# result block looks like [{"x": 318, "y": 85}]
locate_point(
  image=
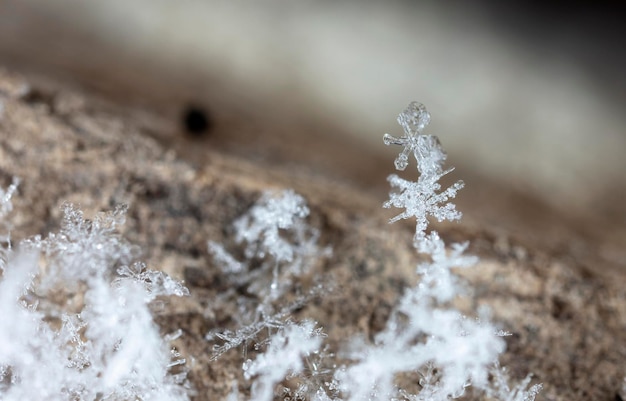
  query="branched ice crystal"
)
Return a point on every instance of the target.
[
  {"x": 501, "y": 391},
  {"x": 437, "y": 279},
  {"x": 5, "y": 197},
  {"x": 104, "y": 346},
  {"x": 275, "y": 233},
  {"x": 284, "y": 356},
  {"x": 425, "y": 333},
  {"x": 5, "y": 234},
  {"x": 155, "y": 283},
  {"x": 262, "y": 226},
  {"x": 420, "y": 199},
  {"x": 426, "y": 148}
]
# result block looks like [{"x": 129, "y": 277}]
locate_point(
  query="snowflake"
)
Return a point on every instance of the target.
[
  {"x": 277, "y": 238},
  {"x": 426, "y": 148},
  {"x": 271, "y": 216},
  {"x": 420, "y": 199},
  {"x": 106, "y": 345}
]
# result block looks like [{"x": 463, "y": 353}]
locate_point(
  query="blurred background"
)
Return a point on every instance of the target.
[{"x": 527, "y": 97}]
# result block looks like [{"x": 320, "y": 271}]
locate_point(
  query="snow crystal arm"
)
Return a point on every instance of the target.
[
  {"x": 5, "y": 197},
  {"x": 284, "y": 356},
  {"x": 426, "y": 148},
  {"x": 261, "y": 227},
  {"x": 421, "y": 199}
]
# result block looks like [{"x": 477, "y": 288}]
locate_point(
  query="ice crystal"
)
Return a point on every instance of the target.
[
  {"x": 278, "y": 239},
  {"x": 6, "y": 206},
  {"x": 437, "y": 277},
  {"x": 418, "y": 335},
  {"x": 225, "y": 261},
  {"x": 461, "y": 349},
  {"x": 426, "y": 148},
  {"x": 233, "y": 339},
  {"x": 420, "y": 199},
  {"x": 262, "y": 226},
  {"x": 100, "y": 342},
  {"x": 265, "y": 319},
  {"x": 154, "y": 283},
  {"x": 280, "y": 246},
  {"x": 501, "y": 391},
  {"x": 84, "y": 250},
  {"x": 425, "y": 335},
  {"x": 284, "y": 356},
  {"x": 5, "y": 197}
]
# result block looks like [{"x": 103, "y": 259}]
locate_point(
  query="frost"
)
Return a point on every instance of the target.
[
  {"x": 461, "y": 349},
  {"x": 437, "y": 278},
  {"x": 279, "y": 247},
  {"x": 6, "y": 206},
  {"x": 426, "y": 148},
  {"x": 261, "y": 227},
  {"x": 154, "y": 283},
  {"x": 275, "y": 236},
  {"x": 73, "y": 329},
  {"x": 283, "y": 357},
  {"x": 422, "y": 334},
  {"x": 502, "y": 392},
  {"x": 244, "y": 335},
  {"x": 76, "y": 320},
  {"x": 423, "y": 197},
  {"x": 84, "y": 250},
  {"x": 420, "y": 200},
  {"x": 225, "y": 261},
  {"x": 265, "y": 319},
  {"x": 425, "y": 336},
  {"x": 320, "y": 395}
]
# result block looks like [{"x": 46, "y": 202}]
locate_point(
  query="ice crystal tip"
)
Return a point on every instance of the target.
[
  {"x": 401, "y": 162},
  {"x": 413, "y": 121},
  {"x": 414, "y": 118},
  {"x": 388, "y": 139}
]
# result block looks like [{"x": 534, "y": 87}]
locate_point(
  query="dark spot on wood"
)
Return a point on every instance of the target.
[
  {"x": 36, "y": 96},
  {"x": 561, "y": 309},
  {"x": 196, "y": 121},
  {"x": 196, "y": 277}
]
